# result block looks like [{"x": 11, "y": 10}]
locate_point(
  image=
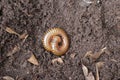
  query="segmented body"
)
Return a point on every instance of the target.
[{"x": 56, "y": 41}]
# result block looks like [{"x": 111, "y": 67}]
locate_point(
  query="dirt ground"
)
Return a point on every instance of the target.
[{"x": 90, "y": 25}]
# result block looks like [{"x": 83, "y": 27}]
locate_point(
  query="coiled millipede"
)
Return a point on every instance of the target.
[{"x": 56, "y": 41}]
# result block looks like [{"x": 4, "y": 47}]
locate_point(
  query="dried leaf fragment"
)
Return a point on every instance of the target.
[
  {"x": 7, "y": 78},
  {"x": 85, "y": 70},
  {"x": 73, "y": 55},
  {"x": 33, "y": 60},
  {"x": 59, "y": 60},
  {"x": 9, "y": 30},
  {"x": 88, "y": 76}
]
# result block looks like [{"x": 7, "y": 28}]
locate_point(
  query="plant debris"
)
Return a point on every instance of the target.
[
  {"x": 7, "y": 78},
  {"x": 15, "y": 49},
  {"x": 88, "y": 76},
  {"x": 33, "y": 60},
  {"x": 73, "y": 55},
  {"x": 98, "y": 66},
  {"x": 11, "y": 31},
  {"x": 59, "y": 60},
  {"x": 96, "y": 55},
  {"x": 114, "y": 60},
  {"x": 23, "y": 36},
  {"x": 85, "y": 70}
]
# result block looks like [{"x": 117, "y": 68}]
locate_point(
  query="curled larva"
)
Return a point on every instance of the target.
[{"x": 56, "y": 41}]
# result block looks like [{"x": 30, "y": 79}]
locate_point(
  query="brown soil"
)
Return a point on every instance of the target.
[{"x": 90, "y": 27}]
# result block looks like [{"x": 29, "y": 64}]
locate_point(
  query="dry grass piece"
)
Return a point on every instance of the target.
[
  {"x": 114, "y": 60},
  {"x": 33, "y": 60},
  {"x": 23, "y": 36},
  {"x": 7, "y": 78},
  {"x": 59, "y": 60},
  {"x": 98, "y": 66},
  {"x": 15, "y": 49},
  {"x": 9, "y": 30}
]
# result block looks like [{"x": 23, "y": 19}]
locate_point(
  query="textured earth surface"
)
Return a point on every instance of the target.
[{"x": 90, "y": 25}]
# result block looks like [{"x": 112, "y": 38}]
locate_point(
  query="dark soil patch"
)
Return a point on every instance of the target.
[{"x": 89, "y": 27}]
